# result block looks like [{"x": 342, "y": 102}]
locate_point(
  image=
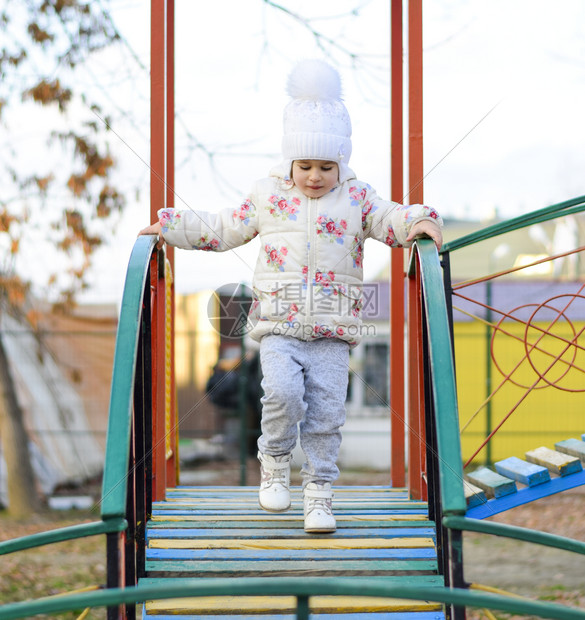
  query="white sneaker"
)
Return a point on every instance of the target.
[
  {"x": 317, "y": 503},
  {"x": 274, "y": 495}
]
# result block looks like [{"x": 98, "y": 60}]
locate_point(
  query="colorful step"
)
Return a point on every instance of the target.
[
  {"x": 556, "y": 462},
  {"x": 491, "y": 482},
  {"x": 474, "y": 496},
  {"x": 573, "y": 447},
  {"x": 526, "y": 473},
  {"x": 205, "y": 534}
]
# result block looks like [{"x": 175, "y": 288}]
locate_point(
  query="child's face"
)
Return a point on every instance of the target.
[{"x": 315, "y": 177}]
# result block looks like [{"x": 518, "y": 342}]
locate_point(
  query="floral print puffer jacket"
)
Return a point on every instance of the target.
[{"x": 308, "y": 276}]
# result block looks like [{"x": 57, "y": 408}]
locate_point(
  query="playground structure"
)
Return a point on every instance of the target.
[{"x": 398, "y": 550}]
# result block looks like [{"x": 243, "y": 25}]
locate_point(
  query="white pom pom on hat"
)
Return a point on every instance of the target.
[
  {"x": 314, "y": 79},
  {"x": 316, "y": 122}
]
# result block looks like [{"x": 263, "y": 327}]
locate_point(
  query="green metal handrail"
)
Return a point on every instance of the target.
[
  {"x": 71, "y": 532},
  {"x": 114, "y": 491},
  {"x": 568, "y": 207},
  {"x": 515, "y": 532},
  {"x": 299, "y": 587},
  {"x": 442, "y": 378}
]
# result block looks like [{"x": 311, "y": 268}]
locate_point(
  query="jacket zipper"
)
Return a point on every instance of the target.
[{"x": 311, "y": 265}]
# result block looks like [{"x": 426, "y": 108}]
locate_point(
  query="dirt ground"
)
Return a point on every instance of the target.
[{"x": 527, "y": 569}]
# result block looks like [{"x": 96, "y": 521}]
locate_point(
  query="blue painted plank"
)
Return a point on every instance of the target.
[
  {"x": 526, "y": 495},
  {"x": 492, "y": 482},
  {"x": 529, "y": 474},
  {"x": 301, "y": 567},
  {"x": 277, "y": 525},
  {"x": 259, "y": 511},
  {"x": 290, "y": 554},
  {"x": 349, "y": 532}
]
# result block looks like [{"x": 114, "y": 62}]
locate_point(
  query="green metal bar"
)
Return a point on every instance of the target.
[
  {"x": 512, "y": 531},
  {"x": 443, "y": 379},
  {"x": 569, "y": 207},
  {"x": 113, "y": 503},
  {"x": 71, "y": 532},
  {"x": 303, "y": 609},
  {"x": 287, "y": 586}
]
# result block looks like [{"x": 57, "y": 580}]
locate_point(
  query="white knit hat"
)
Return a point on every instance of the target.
[{"x": 316, "y": 123}]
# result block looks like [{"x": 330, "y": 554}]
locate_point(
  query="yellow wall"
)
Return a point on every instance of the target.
[
  {"x": 542, "y": 415},
  {"x": 196, "y": 340}
]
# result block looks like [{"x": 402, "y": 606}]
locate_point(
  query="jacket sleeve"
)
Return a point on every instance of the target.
[
  {"x": 390, "y": 222},
  {"x": 200, "y": 230}
]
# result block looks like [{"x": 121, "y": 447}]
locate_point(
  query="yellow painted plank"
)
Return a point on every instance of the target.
[
  {"x": 293, "y": 543},
  {"x": 286, "y": 604},
  {"x": 341, "y": 501},
  {"x": 554, "y": 461},
  {"x": 284, "y": 517}
]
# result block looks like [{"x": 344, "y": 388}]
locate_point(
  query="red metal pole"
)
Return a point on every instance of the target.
[
  {"x": 173, "y": 458},
  {"x": 397, "y": 456},
  {"x": 157, "y": 107},
  {"x": 415, "y": 103},
  {"x": 417, "y": 464},
  {"x": 157, "y": 200}
]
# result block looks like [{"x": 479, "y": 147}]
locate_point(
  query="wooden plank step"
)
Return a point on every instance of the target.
[
  {"x": 381, "y": 534},
  {"x": 261, "y": 605},
  {"x": 284, "y": 520},
  {"x": 473, "y": 495},
  {"x": 158, "y": 613},
  {"x": 401, "y": 615},
  {"x": 300, "y": 568},
  {"x": 528, "y": 474},
  {"x": 285, "y": 516},
  {"x": 526, "y": 495},
  {"x": 556, "y": 462},
  {"x": 379, "y": 510},
  {"x": 294, "y": 543},
  {"x": 573, "y": 447},
  {"x": 297, "y": 532},
  {"x": 491, "y": 482},
  {"x": 362, "y": 553}
]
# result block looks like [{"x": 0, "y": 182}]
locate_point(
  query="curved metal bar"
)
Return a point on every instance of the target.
[
  {"x": 568, "y": 207},
  {"x": 443, "y": 380},
  {"x": 287, "y": 586},
  {"x": 511, "y": 531},
  {"x": 114, "y": 493},
  {"x": 81, "y": 530}
]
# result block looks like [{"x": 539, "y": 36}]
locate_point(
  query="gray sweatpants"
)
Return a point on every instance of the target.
[{"x": 306, "y": 383}]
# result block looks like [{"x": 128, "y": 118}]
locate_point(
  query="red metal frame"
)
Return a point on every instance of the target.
[
  {"x": 161, "y": 195},
  {"x": 416, "y": 428},
  {"x": 397, "y": 405},
  {"x": 417, "y": 455},
  {"x": 173, "y": 459}
]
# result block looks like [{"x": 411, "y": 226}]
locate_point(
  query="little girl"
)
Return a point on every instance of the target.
[{"x": 312, "y": 216}]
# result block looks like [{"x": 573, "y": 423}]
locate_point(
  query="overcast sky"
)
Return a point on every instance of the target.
[{"x": 504, "y": 93}]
